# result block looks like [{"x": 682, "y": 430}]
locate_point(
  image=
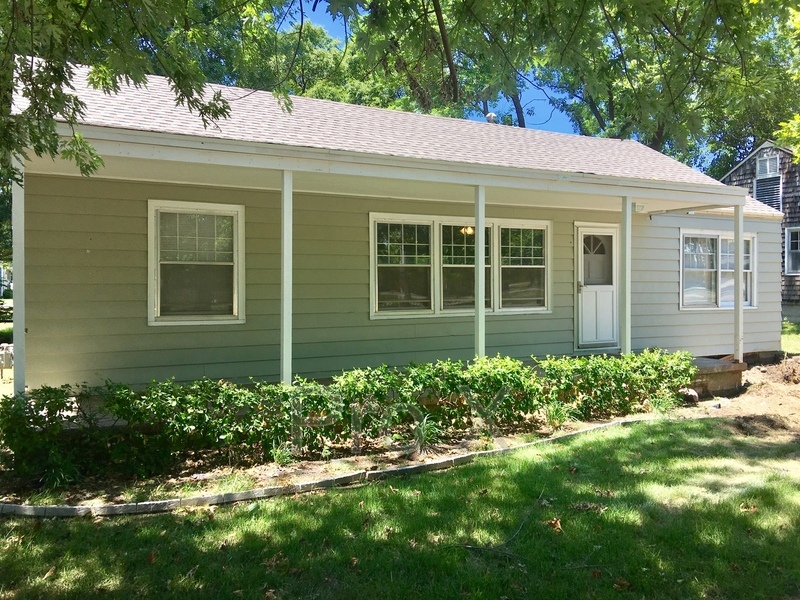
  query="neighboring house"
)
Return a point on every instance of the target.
[
  {"x": 771, "y": 176},
  {"x": 337, "y": 236}
]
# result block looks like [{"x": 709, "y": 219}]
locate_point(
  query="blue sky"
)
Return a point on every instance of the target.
[{"x": 544, "y": 116}]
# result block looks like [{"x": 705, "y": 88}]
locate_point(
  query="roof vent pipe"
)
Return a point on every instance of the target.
[{"x": 491, "y": 118}]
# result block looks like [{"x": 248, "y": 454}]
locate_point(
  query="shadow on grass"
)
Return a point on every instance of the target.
[{"x": 624, "y": 511}]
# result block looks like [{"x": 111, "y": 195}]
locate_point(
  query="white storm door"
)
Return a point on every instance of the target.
[{"x": 596, "y": 271}]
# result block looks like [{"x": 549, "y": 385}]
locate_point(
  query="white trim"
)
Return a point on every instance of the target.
[
  {"x": 767, "y": 144},
  {"x": 721, "y": 234},
  {"x": 18, "y": 247},
  {"x": 435, "y": 222},
  {"x": 787, "y": 248},
  {"x": 110, "y": 141},
  {"x": 287, "y": 240},
  {"x": 590, "y": 228},
  {"x": 625, "y": 259},
  {"x": 234, "y": 210},
  {"x": 738, "y": 276},
  {"x": 480, "y": 271}
]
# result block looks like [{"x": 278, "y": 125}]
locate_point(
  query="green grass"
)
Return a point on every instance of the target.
[
  {"x": 672, "y": 509},
  {"x": 6, "y": 333},
  {"x": 790, "y": 337}
]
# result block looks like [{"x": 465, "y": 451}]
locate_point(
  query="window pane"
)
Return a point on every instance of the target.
[
  {"x": 402, "y": 244},
  {"x": 726, "y": 294},
  {"x": 699, "y": 287},
  {"x": 793, "y": 261},
  {"x": 404, "y": 288},
  {"x": 522, "y": 287},
  {"x": 197, "y": 237},
  {"x": 194, "y": 289},
  {"x": 458, "y": 245},
  {"x": 458, "y": 287},
  {"x": 523, "y": 247}
]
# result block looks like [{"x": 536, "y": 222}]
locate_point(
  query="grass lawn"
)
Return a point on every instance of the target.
[
  {"x": 790, "y": 337},
  {"x": 661, "y": 509}
]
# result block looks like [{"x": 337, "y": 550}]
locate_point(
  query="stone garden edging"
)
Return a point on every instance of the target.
[{"x": 159, "y": 506}]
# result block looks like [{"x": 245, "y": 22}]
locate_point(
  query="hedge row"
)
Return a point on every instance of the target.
[{"x": 62, "y": 434}]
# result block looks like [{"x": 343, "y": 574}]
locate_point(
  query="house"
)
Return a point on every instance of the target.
[
  {"x": 771, "y": 176},
  {"x": 336, "y": 236}
]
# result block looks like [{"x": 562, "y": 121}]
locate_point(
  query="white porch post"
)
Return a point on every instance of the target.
[
  {"x": 286, "y": 278},
  {"x": 738, "y": 300},
  {"x": 18, "y": 248},
  {"x": 480, "y": 268},
  {"x": 625, "y": 276}
]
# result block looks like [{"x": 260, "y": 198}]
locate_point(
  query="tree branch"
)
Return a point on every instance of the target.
[{"x": 437, "y": 8}]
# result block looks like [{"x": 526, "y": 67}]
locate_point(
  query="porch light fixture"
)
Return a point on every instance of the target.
[{"x": 467, "y": 230}]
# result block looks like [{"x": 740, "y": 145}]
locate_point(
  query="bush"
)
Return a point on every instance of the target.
[
  {"x": 53, "y": 434},
  {"x": 603, "y": 386}
]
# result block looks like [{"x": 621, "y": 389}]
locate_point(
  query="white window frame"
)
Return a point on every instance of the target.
[
  {"x": 436, "y": 222},
  {"x": 154, "y": 272},
  {"x": 787, "y": 249},
  {"x": 721, "y": 235},
  {"x": 769, "y": 175}
]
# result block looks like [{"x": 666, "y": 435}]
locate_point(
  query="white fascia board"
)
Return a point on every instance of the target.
[{"x": 199, "y": 150}]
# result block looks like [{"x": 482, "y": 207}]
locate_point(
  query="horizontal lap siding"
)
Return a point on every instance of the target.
[
  {"x": 86, "y": 284},
  {"x": 657, "y": 320},
  {"x": 87, "y": 289}
]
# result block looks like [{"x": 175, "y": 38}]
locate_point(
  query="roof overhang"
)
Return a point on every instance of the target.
[{"x": 148, "y": 156}]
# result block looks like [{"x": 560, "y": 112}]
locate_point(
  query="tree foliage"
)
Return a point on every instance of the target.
[{"x": 789, "y": 134}]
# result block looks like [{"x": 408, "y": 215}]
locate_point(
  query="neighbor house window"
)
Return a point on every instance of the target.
[
  {"x": 196, "y": 262},
  {"x": 767, "y": 187},
  {"x": 426, "y": 265},
  {"x": 708, "y": 271},
  {"x": 793, "y": 251}
]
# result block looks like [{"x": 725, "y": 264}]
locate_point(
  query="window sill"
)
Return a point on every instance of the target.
[
  {"x": 460, "y": 313},
  {"x": 712, "y": 308},
  {"x": 200, "y": 321}
]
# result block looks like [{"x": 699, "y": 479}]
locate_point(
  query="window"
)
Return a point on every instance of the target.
[
  {"x": 522, "y": 281},
  {"x": 426, "y": 265},
  {"x": 403, "y": 254},
  {"x": 793, "y": 251},
  {"x": 708, "y": 271},
  {"x": 767, "y": 187},
  {"x": 458, "y": 267},
  {"x": 196, "y": 263}
]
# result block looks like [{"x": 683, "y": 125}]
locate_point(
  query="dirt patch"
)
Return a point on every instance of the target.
[{"x": 769, "y": 405}]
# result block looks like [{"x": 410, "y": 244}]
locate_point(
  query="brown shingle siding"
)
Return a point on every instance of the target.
[{"x": 744, "y": 175}]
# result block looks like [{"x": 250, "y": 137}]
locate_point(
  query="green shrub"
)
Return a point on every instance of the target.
[
  {"x": 603, "y": 386},
  {"x": 53, "y": 434}
]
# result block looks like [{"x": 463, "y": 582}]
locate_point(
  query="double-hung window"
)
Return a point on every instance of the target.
[
  {"x": 196, "y": 263},
  {"x": 708, "y": 274},
  {"x": 426, "y": 265},
  {"x": 792, "y": 251}
]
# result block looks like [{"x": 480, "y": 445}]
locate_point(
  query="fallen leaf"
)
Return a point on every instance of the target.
[
  {"x": 735, "y": 568},
  {"x": 417, "y": 492},
  {"x": 49, "y": 572},
  {"x": 745, "y": 507},
  {"x": 573, "y": 469},
  {"x": 412, "y": 543},
  {"x": 556, "y": 467},
  {"x": 483, "y": 492},
  {"x": 152, "y": 558},
  {"x": 388, "y": 531},
  {"x": 354, "y": 561},
  {"x": 394, "y": 490},
  {"x": 596, "y": 574},
  {"x": 554, "y": 524},
  {"x": 589, "y": 507},
  {"x": 621, "y": 584},
  {"x": 270, "y": 595},
  {"x": 361, "y": 504}
]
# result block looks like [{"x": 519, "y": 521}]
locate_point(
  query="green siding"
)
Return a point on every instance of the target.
[{"x": 87, "y": 289}]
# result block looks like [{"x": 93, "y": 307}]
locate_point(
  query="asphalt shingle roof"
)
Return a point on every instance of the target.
[{"x": 257, "y": 117}]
